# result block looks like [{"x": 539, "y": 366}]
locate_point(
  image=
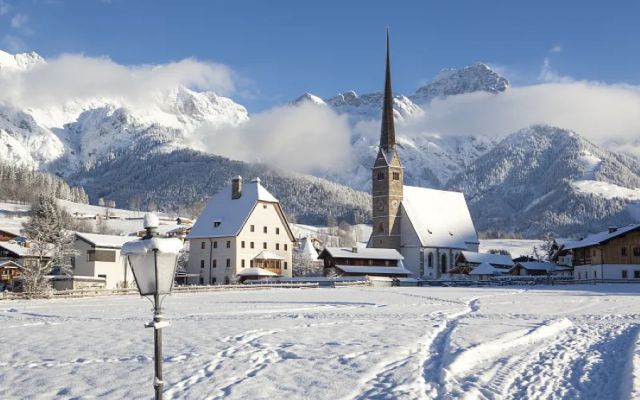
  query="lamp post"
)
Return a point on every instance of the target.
[{"x": 153, "y": 262}]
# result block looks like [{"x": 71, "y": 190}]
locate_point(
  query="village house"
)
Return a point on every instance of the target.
[
  {"x": 9, "y": 271},
  {"x": 539, "y": 268},
  {"x": 21, "y": 254},
  {"x": 242, "y": 228},
  {"x": 466, "y": 261},
  {"x": 98, "y": 256},
  {"x": 428, "y": 227},
  {"x": 8, "y": 234},
  {"x": 611, "y": 254},
  {"x": 339, "y": 261}
]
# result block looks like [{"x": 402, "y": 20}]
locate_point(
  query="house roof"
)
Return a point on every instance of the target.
[
  {"x": 440, "y": 218},
  {"x": 254, "y": 271},
  {"x": 485, "y": 269},
  {"x": 8, "y": 263},
  {"x": 493, "y": 259},
  {"x": 12, "y": 230},
  {"x": 106, "y": 241},
  {"x": 308, "y": 250},
  {"x": 597, "y": 238},
  {"x": 267, "y": 255},
  {"x": 370, "y": 270},
  {"x": 18, "y": 250},
  {"x": 362, "y": 252},
  {"x": 541, "y": 266},
  {"x": 230, "y": 214}
]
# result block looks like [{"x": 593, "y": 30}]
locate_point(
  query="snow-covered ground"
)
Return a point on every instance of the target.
[
  {"x": 515, "y": 247},
  {"x": 349, "y": 343}
]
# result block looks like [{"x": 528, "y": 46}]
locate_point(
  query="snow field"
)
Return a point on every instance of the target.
[{"x": 346, "y": 343}]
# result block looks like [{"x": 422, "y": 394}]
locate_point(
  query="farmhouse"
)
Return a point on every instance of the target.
[
  {"x": 428, "y": 227},
  {"x": 539, "y": 268},
  {"x": 339, "y": 261},
  {"x": 99, "y": 257},
  {"x": 241, "y": 227},
  {"x": 611, "y": 254}
]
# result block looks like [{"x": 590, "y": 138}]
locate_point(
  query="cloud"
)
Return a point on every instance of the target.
[
  {"x": 547, "y": 74},
  {"x": 302, "y": 138},
  {"x": 600, "y": 112},
  {"x": 19, "y": 21},
  {"x": 76, "y": 77},
  {"x": 557, "y": 49},
  {"x": 4, "y": 7}
]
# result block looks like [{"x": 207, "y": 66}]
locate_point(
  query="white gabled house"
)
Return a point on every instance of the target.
[
  {"x": 99, "y": 256},
  {"x": 242, "y": 227}
]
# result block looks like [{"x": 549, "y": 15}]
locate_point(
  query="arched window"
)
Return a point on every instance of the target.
[
  {"x": 430, "y": 260},
  {"x": 443, "y": 263}
]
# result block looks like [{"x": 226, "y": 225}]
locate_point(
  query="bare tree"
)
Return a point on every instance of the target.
[
  {"x": 304, "y": 266},
  {"x": 50, "y": 246}
]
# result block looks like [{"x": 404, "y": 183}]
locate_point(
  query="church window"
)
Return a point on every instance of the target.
[
  {"x": 396, "y": 176},
  {"x": 443, "y": 264},
  {"x": 430, "y": 260},
  {"x": 380, "y": 176}
]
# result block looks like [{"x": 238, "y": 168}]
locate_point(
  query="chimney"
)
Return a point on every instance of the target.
[
  {"x": 612, "y": 229},
  {"x": 354, "y": 249},
  {"x": 236, "y": 187}
]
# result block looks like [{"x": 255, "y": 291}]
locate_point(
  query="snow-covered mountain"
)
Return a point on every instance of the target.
[
  {"x": 80, "y": 132},
  {"x": 545, "y": 179},
  {"x": 478, "y": 77}
]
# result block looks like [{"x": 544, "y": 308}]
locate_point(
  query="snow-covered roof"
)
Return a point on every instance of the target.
[
  {"x": 255, "y": 271},
  {"x": 20, "y": 251},
  {"x": 267, "y": 255},
  {"x": 308, "y": 250},
  {"x": 106, "y": 241},
  {"x": 13, "y": 230},
  {"x": 224, "y": 216},
  {"x": 9, "y": 263},
  {"x": 493, "y": 259},
  {"x": 597, "y": 238},
  {"x": 355, "y": 269},
  {"x": 485, "y": 269},
  {"x": 541, "y": 266},
  {"x": 367, "y": 253},
  {"x": 440, "y": 218}
]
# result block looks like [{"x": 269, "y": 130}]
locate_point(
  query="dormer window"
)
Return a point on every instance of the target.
[{"x": 217, "y": 223}]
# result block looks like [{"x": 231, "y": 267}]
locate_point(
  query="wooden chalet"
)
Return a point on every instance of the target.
[
  {"x": 611, "y": 254},
  {"x": 339, "y": 261},
  {"x": 9, "y": 270}
]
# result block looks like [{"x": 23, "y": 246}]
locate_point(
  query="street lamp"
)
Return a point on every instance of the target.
[{"x": 153, "y": 262}]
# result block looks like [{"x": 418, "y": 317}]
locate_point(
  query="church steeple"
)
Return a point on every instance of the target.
[
  {"x": 387, "y": 132},
  {"x": 387, "y": 177}
]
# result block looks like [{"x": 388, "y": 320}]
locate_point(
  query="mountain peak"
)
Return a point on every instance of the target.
[
  {"x": 308, "y": 98},
  {"x": 19, "y": 62},
  {"x": 478, "y": 77}
]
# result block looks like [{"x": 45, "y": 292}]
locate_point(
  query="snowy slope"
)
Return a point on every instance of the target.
[
  {"x": 544, "y": 179},
  {"x": 575, "y": 342}
]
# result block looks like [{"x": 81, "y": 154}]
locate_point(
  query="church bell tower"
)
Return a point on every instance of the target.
[{"x": 387, "y": 177}]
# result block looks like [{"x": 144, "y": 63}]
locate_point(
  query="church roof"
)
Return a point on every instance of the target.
[
  {"x": 224, "y": 216},
  {"x": 440, "y": 218}
]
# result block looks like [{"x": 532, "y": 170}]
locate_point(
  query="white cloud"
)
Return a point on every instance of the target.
[
  {"x": 556, "y": 49},
  {"x": 302, "y": 138},
  {"x": 76, "y": 77},
  {"x": 600, "y": 112},
  {"x": 19, "y": 21},
  {"x": 547, "y": 74}
]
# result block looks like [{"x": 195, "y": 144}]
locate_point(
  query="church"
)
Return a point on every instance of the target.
[{"x": 428, "y": 227}]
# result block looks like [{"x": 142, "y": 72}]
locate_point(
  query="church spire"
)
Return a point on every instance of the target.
[{"x": 388, "y": 132}]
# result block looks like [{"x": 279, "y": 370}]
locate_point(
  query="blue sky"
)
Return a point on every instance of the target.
[{"x": 280, "y": 49}]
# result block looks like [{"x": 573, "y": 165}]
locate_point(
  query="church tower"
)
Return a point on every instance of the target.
[{"x": 387, "y": 177}]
